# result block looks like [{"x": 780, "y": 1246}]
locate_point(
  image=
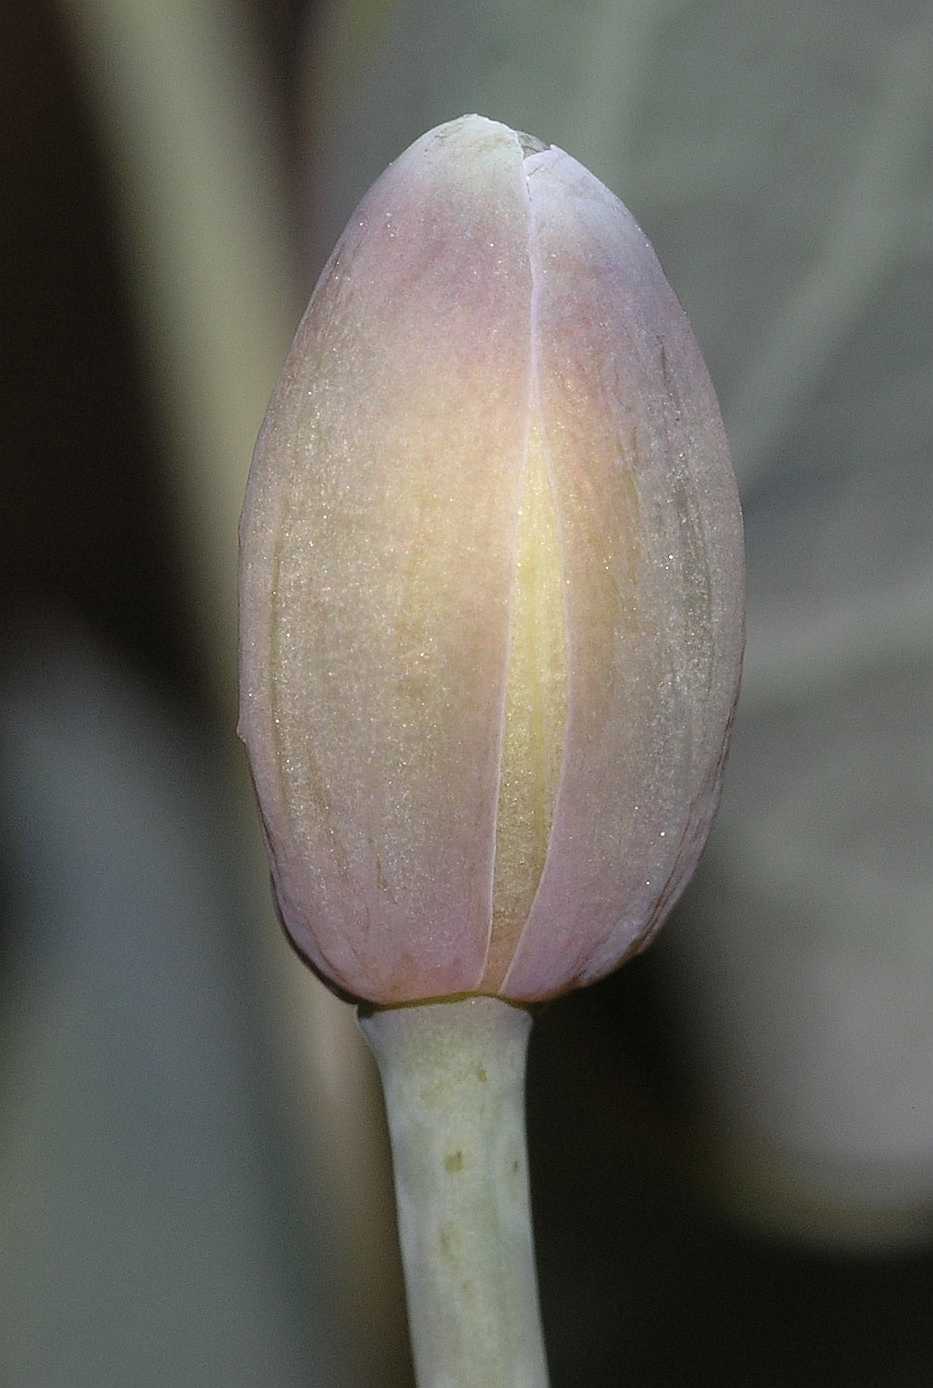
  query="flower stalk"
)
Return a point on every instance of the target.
[{"x": 453, "y": 1074}]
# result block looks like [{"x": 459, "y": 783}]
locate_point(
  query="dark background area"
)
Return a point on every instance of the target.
[
  {"x": 91, "y": 530},
  {"x": 204, "y": 1238}
]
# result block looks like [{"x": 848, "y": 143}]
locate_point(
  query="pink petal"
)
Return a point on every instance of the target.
[
  {"x": 652, "y": 546},
  {"x": 377, "y": 560}
]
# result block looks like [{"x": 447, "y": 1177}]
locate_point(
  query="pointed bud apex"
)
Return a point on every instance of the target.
[{"x": 491, "y": 585}]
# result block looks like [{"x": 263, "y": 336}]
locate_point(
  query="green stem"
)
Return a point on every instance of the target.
[{"x": 453, "y": 1075}]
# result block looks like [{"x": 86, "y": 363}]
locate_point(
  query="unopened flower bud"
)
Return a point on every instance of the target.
[{"x": 491, "y": 585}]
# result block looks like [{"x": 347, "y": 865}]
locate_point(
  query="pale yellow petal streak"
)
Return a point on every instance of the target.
[{"x": 535, "y": 713}]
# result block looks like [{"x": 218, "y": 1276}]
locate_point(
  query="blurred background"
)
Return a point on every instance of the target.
[{"x": 732, "y": 1139}]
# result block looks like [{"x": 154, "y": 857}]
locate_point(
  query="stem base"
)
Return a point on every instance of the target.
[{"x": 453, "y": 1075}]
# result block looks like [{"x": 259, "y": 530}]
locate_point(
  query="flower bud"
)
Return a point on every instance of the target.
[{"x": 491, "y": 585}]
